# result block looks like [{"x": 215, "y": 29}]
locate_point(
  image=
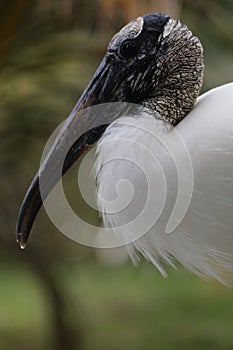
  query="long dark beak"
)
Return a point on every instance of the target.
[{"x": 84, "y": 129}]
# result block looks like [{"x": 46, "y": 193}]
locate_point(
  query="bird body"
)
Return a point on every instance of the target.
[
  {"x": 164, "y": 170},
  {"x": 203, "y": 240}
]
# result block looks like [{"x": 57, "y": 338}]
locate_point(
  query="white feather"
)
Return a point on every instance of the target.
[{"x": 130, "y": 149}]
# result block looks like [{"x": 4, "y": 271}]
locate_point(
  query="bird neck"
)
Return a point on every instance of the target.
[{"x": 179, "y": 74}]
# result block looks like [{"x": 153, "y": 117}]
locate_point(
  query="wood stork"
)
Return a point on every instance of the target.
[{"x": 156, "y": 62}]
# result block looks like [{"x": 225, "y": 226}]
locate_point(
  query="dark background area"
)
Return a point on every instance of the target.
[{"x": 57, "y": 294}]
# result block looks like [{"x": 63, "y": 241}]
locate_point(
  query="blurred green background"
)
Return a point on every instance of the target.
[{"x": 57, "y": 294}]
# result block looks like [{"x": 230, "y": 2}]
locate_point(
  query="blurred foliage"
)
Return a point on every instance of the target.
[
  {"x": 121, "y": 307},
  {"x": 57, "y": 294}
]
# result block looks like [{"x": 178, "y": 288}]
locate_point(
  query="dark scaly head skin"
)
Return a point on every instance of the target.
[
  {"x": 178, "y": 77},
  {"x": 153, "y": 61},
  {"x": 163, "y": 65}
]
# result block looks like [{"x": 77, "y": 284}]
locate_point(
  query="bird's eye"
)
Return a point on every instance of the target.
[{"x": 128, "y": 49}]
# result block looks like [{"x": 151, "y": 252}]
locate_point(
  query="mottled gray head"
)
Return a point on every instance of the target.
[
  {"x": 158, "y": 63},
  {"x": 154, "y": 61}
]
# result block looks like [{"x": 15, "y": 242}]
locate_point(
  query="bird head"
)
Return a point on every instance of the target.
[
  {"x": 131, "y": 58},
  {"x": 153, "y": 61}
]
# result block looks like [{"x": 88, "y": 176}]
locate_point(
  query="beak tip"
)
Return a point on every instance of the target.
[{"x": 21, "y": 240}]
